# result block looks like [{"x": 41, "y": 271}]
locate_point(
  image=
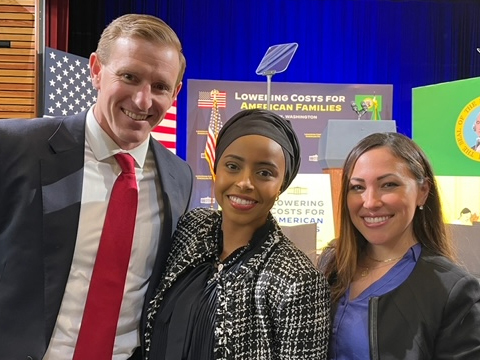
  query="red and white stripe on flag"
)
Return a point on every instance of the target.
[
  {"x": 205, "y": 99},
  {"x": 166, "y": 131}
]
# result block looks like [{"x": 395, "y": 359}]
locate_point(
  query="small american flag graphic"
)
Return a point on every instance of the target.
[
  {"x": 205, "y": 99},
  {"x": 68, "y": 90},
  {"x": 214, "y": 126}
]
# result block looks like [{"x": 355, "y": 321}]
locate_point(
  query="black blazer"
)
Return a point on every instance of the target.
[
  {"x": 434, "y": 314},
  {"x": 41, "y": 175}
]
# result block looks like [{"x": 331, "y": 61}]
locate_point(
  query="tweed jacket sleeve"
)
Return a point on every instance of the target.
[{"x": 300, "y": 301}]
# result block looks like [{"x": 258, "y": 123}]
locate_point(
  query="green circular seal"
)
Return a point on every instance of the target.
[{"x": 464, "y": 147}]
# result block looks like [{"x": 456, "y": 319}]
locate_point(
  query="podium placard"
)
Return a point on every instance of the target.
[
  {"x": 340, "y": 136},
  {"x": 304, "y": 237}
]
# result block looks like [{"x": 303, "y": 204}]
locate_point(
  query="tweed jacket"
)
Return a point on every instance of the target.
[{"x": 276, "y": 306}]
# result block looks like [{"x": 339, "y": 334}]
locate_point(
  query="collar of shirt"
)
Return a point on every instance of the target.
[
  {"x": 104, "y": 147},
  {"x": 416, "y": 250}
]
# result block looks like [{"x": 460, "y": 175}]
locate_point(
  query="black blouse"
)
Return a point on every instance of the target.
[{"x": 186, "y": 320}]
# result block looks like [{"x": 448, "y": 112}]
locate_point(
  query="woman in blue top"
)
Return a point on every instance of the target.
[{"x": 396, "y": 290}]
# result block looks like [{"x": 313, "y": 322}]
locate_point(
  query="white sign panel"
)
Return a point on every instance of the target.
[{"x": 308, "y": 200}]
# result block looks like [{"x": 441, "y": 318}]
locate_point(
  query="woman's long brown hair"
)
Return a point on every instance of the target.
[{"x": 428, "y": 224}]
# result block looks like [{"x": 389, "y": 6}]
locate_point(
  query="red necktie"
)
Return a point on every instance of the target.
[{"x": 99, "y": 323}]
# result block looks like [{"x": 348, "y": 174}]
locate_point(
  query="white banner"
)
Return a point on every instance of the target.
[{"x": 308, "y": 200}]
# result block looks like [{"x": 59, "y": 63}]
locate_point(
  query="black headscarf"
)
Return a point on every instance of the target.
[{"x": 265, "y": 123}]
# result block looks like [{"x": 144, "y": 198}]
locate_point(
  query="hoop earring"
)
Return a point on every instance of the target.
[{"x": 278, "y": 197}]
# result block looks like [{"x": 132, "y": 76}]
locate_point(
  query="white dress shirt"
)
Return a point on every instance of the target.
[{"x": 100, "y": 172}]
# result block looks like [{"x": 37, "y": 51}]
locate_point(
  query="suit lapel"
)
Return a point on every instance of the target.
[
  {"x": 168, "y": 187},
  {"x": 62, "y": 178},
  {"x": 172, "y": 212},
  {"x": 172, "y": 209}
]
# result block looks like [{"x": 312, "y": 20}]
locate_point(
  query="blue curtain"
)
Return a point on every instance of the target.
[{"x": 404, "y": 43}]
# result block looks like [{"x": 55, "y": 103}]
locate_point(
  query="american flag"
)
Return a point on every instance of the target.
[
  {"x": 214, "y": 127},
  {"x": 205, "y": 99},
  {"x": 68, "y": 90},
  {"x": 166, "y": 131}
]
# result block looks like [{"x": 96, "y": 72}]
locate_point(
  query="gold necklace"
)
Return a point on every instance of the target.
[
  {"x": 366, "y": 269},
  {"x": 384, "y": 261}
]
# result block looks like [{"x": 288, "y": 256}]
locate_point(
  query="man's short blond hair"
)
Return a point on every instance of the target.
[{"x": 146, "y": 27}]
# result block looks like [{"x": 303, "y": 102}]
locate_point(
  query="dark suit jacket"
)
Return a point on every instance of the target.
[{"x": 41, "y": 175}]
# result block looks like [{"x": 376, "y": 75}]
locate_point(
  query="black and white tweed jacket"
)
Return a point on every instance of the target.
[{"x": 276, "y": 306}]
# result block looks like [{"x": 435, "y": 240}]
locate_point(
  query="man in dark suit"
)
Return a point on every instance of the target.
[{"x": 56, "y": 176}]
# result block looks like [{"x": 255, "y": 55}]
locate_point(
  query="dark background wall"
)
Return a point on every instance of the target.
[{"x": 405, "y": 43}]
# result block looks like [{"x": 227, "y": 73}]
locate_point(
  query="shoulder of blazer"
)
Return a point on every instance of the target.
[
  {"x": 432, "y": 274},
  {"x": 442, "y": 266},
  {"x": 195, "y": 228},
  {"x": 281, "y": 263},
  {"x": 43, "y": 135},
  {"x": 289, "y": 263},
  {"x": 176, "y": 166},
  {"x": 69, "y": 133},
  {"x": 176, "y": 175},
  {"x": 43, "y": 127}
]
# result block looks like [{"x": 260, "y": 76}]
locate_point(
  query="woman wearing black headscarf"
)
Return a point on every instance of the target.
[{"x": 235, "y": 287}]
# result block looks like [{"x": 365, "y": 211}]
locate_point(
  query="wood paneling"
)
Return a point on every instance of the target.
[
  {"x": 16, "y": 101},
  {"x": 17, "y": 66},
  {"x": 6, "y": 57},
  {"x": 17, "y": 9},
  {"x": 13, "y": 115},
  {"x": 16, "y": 37},
  {"x": 18, "y": 63},
  {"x": 17, "y": 87},
  {"x": 15, "y": 108},
  {"x": 16, "y": 73},
  {"x": 17, "y": 30},
  {"x": 17, "y": 23},
  {"x": 18, "y": 2},
  {"x": 16, "y": 16},
  {"x": 15, "y": 80},
  {"x": 18, "y": 52},
  {"x": 22, "y": 45},
  {"x": 6, "y": 94}
]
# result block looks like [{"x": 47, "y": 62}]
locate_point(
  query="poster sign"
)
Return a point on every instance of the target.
[{"x": 308, "y": 106}]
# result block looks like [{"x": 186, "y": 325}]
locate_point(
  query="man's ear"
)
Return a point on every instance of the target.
[
  {"x": 177, "y": 90},
  {"x": 95, "y": 70}
]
